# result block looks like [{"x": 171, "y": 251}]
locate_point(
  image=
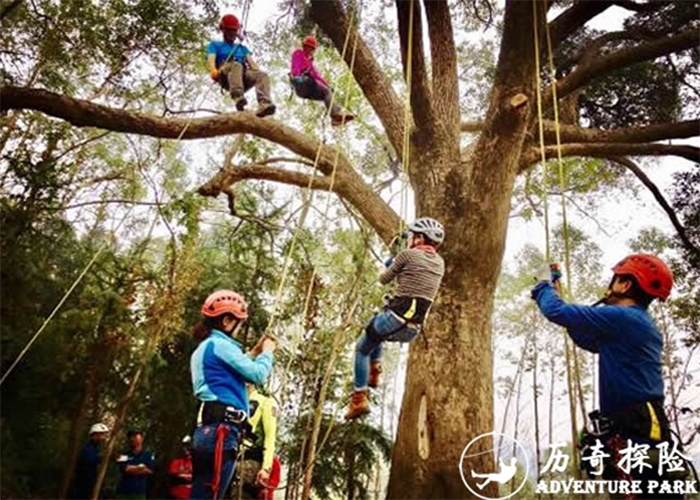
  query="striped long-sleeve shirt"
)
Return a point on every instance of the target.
[{"x": 418, "y": 273}]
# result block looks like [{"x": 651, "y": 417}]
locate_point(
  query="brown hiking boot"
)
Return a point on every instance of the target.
[
  {"x": 265, "y": 109},
  {"x": 341, "y": 118},
  {"x": 375, "y": 374},
  {"x": 241, "y": 103},
  {"x": 359, "y": 405}
]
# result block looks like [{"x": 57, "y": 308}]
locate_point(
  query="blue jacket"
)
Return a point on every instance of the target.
[
  {"x": 86, "y": 471},
  {"x": 627, "y": 340},
  {"x": 220, "y": 370}
]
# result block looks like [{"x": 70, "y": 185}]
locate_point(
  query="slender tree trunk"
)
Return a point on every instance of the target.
[
  {"x": 100, "y": 360},
  {"x": 77, "y": 430},
  {"x": 535, "y": 399},
  {"x": 378, "y": 467},
  {"x": 318, "y": 415},
  {"x": 517, "y": 425},
  {"x": 552, "y": 383},
  {"x": 571, "y": 390},
  {"x": 506, "y": 411},
  {"x": 668, "y": 361}
]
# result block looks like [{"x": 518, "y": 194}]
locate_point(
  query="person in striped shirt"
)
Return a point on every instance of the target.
[{"x": 418, "y": 271}]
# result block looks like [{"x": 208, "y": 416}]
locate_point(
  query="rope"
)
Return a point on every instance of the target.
[
  {"x": 297, "y": 230},
  {"x": 562, "y": 185},
  {"x": 406, "y": 152},
  {"x": 543, "y": 157},
  {"x": 244, "y": 16},
  {"x": 348, "y": 81},
  {"x": 68, "y": 293}
]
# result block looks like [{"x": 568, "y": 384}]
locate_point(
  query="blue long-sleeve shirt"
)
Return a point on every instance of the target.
[
  {"x": 220, "y": 370},
  {"x": 628, "y": 341}
]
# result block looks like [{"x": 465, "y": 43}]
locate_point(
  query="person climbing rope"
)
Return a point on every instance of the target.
[
  {"x": 260, "y": 469},
  {"x": 220, "y": 370},
  {"x": 230, "y": 65},
  {"x": 629, "y": 344},
  {"x": 418, "y": 270},
  {"x": 309, "y": 84}
]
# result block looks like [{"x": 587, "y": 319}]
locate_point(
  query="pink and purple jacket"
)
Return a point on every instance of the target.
[{"x": 303, "y": 64}]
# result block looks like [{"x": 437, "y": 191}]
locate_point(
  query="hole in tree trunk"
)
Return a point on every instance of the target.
[{"x": 423, "y": 434}]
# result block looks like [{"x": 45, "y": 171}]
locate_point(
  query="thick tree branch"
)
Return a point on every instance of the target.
[
  {"x": 637, "y": 171},
  {"x": 87, "y": 114},
  {"x": 376, "y": 87},
  {"x": 421, "y": 98},
  {"x": 83, "y": 113},
  {"x": 572, "y": 19},
  {"x": 620, "y": 59},
  {"x": 224, "y": 179},
  {"x": 649, "y": 133},
  {"x": 443, "y": 56},
  {"x": 606, "y": 150}
]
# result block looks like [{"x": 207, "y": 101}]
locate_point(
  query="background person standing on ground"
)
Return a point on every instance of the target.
[{"x": 136, "y": 465}]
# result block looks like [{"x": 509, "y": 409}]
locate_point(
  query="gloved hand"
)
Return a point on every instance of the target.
[
  {"x": 398, "y": 243},
  {"x": 215, "y": 74},
  {"x": 555, "y": 272},
  {"x": 550, "y": 273},
  {"x": 388, "y": 262}
]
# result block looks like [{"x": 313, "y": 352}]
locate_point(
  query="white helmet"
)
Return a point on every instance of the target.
[
  {"x": 429, "y": 227},
  {"x": 99, "y": 427},
  {"x": 186, "y": 440}
]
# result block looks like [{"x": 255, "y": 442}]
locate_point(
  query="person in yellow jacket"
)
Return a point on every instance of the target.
[{"x": 259, "y": 473}]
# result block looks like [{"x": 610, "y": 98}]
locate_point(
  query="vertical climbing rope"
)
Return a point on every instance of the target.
[
  {"x": 563, "y": 185},
  {"x": 406, "y": 152},
  {"x": 567, "y": 347}
]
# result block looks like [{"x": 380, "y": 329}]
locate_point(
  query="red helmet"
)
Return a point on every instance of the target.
[
  {"x": 654, "y": 277},
  {"x": 225, "y": 301},
  {"x": 229, "y": 22},
  {"x": 310, "y": 41}
]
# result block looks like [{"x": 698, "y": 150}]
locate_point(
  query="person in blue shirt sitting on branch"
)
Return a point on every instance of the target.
[
  {"x": 231, "y": 65},
  {"x": 629, "y": 345}
]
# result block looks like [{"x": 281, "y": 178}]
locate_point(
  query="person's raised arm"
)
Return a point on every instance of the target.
[
  {"x": 252, "y": 370},
  {"x": 395, "y": 268}
]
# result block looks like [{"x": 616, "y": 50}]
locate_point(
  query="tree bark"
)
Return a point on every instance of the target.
[{"x": 451, "y": 359}]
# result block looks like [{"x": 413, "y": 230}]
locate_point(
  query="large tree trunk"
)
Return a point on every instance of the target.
[{"x": 449, "y": 391}]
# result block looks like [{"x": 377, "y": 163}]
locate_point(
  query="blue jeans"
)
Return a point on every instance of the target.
[
  {"x": 203, "y": 444},
  {"x": 383, "y": 327}
]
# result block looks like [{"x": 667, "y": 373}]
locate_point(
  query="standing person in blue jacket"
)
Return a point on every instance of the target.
[
  {"x": 220, "y": 371},
  {"x": 630, "y": 347},
  {"x": 136, "y": 465},
  {"x": 88, "y": 462},
  {"x": 231, "y": 65}
]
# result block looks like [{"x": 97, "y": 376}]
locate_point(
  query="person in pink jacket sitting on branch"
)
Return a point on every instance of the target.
[{"x": 309, "y": 84}]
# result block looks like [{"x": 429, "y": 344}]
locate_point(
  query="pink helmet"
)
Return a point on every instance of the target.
[{"x": 225, "y": 301}]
